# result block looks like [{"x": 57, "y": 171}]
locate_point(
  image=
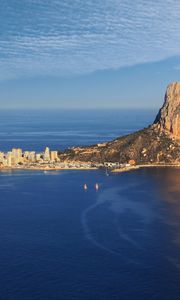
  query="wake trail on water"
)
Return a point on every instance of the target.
[{"x": 87, "y": 231}]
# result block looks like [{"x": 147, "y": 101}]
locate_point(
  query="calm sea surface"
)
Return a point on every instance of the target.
[{"x": 58, "y": 241}]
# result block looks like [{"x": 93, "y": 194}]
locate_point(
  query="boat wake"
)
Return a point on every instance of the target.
[{"x": 112, "y": 200}]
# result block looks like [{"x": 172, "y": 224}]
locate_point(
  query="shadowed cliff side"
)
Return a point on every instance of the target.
[{"x": 157, "y": 144}]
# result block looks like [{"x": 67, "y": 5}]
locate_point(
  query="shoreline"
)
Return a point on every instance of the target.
[
  {"x": 117, "y": 170},
  {"x": 130, "y": 168},
  {"x": 46, "y": 169}
]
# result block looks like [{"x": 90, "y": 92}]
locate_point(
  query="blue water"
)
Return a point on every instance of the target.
[
  {"x": 34, "y": 130},
  {"x": 61, "y": 242}
]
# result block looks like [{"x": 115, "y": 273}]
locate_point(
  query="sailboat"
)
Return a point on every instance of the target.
[
  {"x": 107, "y": 174},
  {"x": 97, "y": 186},
  {"x": 85, "y": 186}
]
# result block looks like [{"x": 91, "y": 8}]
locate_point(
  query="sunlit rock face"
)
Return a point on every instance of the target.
[{"x": 168, "y": 118}]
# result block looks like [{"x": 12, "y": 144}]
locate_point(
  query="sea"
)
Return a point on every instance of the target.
[{"x": 61, "y": 242}]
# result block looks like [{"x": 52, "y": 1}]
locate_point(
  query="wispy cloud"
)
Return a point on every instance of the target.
[{"x": 41, "y": 37}]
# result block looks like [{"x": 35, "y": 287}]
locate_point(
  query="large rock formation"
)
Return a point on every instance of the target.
[
  {"x": 168, "y": 118},
  {"x": 157, "y": 144}
]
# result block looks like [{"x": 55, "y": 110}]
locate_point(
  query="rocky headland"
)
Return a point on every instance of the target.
[{"x": 158, "y": 144}]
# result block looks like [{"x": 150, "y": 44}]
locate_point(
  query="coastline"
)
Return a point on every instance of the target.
[
  {"x": 127, "y": 169},
  {"x": 117, "y": 170},
  {"x": 45, "y": 168}
]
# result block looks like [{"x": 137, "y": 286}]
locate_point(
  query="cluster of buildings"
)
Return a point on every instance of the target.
[
  {"x": 114, "y": 165},
  {"x": 17, "y": 157}
]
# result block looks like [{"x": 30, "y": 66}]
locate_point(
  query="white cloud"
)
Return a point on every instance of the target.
[{"x": 67, "y": 37}]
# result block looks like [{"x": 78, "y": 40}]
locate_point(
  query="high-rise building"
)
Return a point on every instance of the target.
[
  {"x": 1, "y": 156},
  {"x": 9, "y": 159},
  {"x": 32, "y": 156},
  {"x": 54, "y": 155},
  {"x": 16, "y": 155},
  {"x": 47, "y": 154}
]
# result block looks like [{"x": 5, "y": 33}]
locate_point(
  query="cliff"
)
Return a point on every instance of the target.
[
  {"x": 168, "y": 118},
  {"x": 157, "y": 144}
]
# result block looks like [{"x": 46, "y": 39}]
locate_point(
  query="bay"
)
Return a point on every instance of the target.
[{"x": 61, "y": 242}]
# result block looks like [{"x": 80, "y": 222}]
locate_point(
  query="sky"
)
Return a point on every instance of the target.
[{"x": 88, "y": 53}]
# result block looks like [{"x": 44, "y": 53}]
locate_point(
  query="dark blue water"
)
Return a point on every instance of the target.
[{"x": 61, "y": 242}]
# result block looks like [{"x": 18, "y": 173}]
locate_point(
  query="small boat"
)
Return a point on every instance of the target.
[
  {"x": 97, "y": 186},
  {"x": 107, "y": 174},
  {"x": 85, "y": 186}
]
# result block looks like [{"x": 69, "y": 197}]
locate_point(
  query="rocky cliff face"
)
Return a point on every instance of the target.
[
  {"x": 168, "y": 118},
  {"x": 157, "y": 144}
]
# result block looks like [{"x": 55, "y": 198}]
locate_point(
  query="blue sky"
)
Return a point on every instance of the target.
[{"x": 79, "y": 54}]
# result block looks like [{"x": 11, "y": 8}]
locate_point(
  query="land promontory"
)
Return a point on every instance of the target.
[{"x": 157, "y": 144}]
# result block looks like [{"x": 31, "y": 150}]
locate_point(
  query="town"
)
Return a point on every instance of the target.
[
  {"x": 16, "y": 157},
  {"x": 48, "y": 160}
]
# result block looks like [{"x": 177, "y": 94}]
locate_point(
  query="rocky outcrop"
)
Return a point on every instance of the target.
[
  {"x": 157, "y": 144},
  {"x": 168, "y": 118}
]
